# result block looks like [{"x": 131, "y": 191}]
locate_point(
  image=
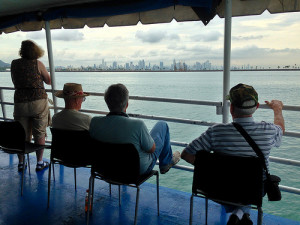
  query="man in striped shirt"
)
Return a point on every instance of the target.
[{"x": 226, "y": 138}]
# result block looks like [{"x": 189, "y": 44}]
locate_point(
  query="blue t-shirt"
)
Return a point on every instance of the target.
[{"x": 120, "y": 129}]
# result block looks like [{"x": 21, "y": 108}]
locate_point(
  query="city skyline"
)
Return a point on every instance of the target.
[
  {"x": 265, "y": 41},
  {"x": 142, "y": 65}
]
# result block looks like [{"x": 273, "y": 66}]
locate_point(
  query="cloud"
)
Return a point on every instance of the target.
[
  {"x": 176, "y": 47},
  {"x": 36, "y": 35},
  {"x": 150, "y": 36},
  {"x": 173, "y": 37},
  {"x": 247, "y": 38},
  {"x": 58, "y": 35},
  {"x": 155, "y": 36},
  {"x": 70, "y": 35},
  {"x": 207, "y": 36},
  {"x": 254, "y": 52},
  {"x": 254, "y": 55}
]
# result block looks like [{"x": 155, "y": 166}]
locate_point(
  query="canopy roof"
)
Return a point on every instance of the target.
[{"x": 30, "y": 15}]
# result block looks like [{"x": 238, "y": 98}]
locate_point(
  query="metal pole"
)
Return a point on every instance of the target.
[
  {"x": 51, "y": 63},
  {"x": 2, "y": 105},
  {"x": 227, "y": 51}
]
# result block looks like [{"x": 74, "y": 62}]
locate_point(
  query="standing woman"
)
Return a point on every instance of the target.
[{"x": 31, "y": 101}]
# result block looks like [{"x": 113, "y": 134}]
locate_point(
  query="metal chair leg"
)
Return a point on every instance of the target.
[
  {"x": 49, "y": 182},
  {"x": 109, "y": 189},
  {"x": 22, "y": 184},
  {"x": 53, "y": 171},
  {"x": 75, "y": 178},
  {"x": 136, "y": 204},
  {"x": 28, "y": 164},
  {"x": 259, "y": 216},
  {"x": 157, "y": 192},
  {"x": 191, "y": 209},
  {"x": 89, "y": 199},
  {"x": 93, "y": 187},
  {"x": 206, "y": 210}
]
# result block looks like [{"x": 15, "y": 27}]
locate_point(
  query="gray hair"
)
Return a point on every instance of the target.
[
  {"x": 116, "y": 97},
  {"x": 245, "y": 112}
]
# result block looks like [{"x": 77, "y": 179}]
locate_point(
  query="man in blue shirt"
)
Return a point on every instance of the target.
[
  {"x": 117, "y": 127},
  {"x": 226, "y": 139}
]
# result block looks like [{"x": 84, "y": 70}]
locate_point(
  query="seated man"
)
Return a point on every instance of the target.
[
  {"x": 117, "y": 127},
  {"x": 226, "y": 139},
  {"x": 70, "y": 118}
]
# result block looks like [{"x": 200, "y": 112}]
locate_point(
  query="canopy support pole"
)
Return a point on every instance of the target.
[
  {"x": 227, "y": 53},
  {"x": 51, "y": 63}
]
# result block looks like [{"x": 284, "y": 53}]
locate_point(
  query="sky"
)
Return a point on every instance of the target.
[{"x": 267, "y": 40}]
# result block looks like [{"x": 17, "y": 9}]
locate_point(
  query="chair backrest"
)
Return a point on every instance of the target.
[
  {"x": 229, "y": 178},
  {"x": 71, "y": 147},
  {"x": 116, "y": 162},
  {"x": 12, "y": 136}
]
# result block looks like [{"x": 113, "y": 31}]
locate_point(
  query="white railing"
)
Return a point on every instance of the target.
[{"x": 218, "y": 106}]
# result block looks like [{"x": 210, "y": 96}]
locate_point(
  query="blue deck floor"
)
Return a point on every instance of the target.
[{"x": 67, "y": 205}]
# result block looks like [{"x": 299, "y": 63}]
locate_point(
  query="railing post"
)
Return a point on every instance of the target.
[
  {"x": 51, "y": 63},
  {"x": 2, "y": 105},
  {"x": 227, "y": 53}
]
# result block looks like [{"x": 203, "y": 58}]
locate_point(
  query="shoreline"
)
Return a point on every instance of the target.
[{"x": 178, "y": 71}]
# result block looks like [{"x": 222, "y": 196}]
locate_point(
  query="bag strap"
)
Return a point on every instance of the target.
[{"x": 253, "y": 145}]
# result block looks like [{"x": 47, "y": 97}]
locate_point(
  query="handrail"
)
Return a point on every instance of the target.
[
  {"x": 181, "y": 101},
  {"x": 170, "y": 119},
  {"x": 171, "y": 100},
  {"x": 180, "y": 120}
]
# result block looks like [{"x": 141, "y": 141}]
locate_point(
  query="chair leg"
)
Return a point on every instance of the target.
[
  {"x": 49, "y": 182},
  {"x": 119, "y": 196},
  {"x": 191, "y": 209},
  {"x": 136, "y": 204},
  {"x": 75, "y": 178},
  {"x": 109, "y": 189},
  {"x": 259, "y": 216},
  {"x": 22, "y": 184},
  {"x": 28, "y": 164},
  {"x": 91, "y": 187},
  {"x": 206, "y": 210},
  {"x": 53, "y": 171},
  {"x": 157, "y": 192}
]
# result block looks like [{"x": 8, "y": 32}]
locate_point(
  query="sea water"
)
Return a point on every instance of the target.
[{"x": 204, "y": 86}]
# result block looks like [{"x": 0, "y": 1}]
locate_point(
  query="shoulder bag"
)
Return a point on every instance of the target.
[{"x": 271, "y": 185}]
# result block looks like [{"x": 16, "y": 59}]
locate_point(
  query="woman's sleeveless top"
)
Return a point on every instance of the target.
[{"x": 28, "y": 82}]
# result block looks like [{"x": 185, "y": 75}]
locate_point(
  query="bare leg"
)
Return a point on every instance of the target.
[
  {"x": 27, "y": 124},
  {"x": 39, "y": 154},
  {"x": 20, "y": 158}
]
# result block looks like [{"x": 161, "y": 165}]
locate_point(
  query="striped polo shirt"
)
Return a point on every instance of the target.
[{"x": 225, "y": 138}]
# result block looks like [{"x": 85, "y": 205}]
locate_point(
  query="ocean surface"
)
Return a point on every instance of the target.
[{"x": 206, "y": 86}]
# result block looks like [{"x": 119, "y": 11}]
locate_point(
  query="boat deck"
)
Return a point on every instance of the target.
[{"x": 67, "y": 205}]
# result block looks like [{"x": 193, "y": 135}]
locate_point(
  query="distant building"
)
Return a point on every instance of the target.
[
  {"x": 161, "y": 65},
  {"x": 141, "y": 65},
  {"x": 115, "y": 65}
]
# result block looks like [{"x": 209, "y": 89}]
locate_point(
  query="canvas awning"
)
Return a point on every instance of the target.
[{"x": 30, "y": 15}]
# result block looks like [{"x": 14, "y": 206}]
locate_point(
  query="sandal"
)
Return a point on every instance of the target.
[
  {"x": 21, "y": 167},
  {"x": 40, "y": 167}
]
